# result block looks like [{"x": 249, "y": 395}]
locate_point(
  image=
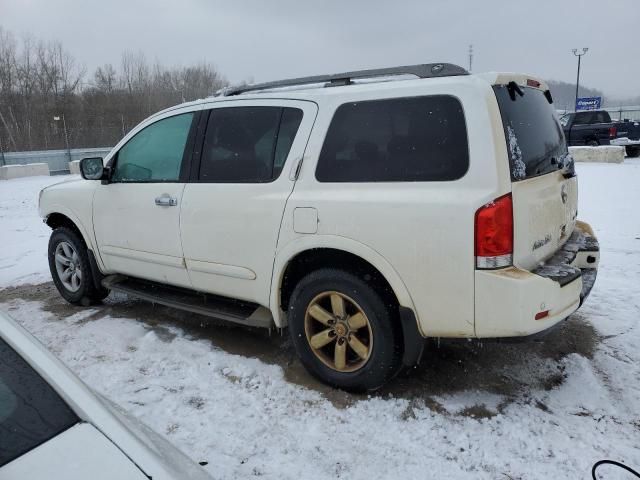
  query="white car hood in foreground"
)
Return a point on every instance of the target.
[
  {"x": 154, "y": 456},
  {"x": 79, "y": 453}
]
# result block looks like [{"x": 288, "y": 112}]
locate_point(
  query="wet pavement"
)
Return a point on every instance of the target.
[{"x": 509, "y": 370}]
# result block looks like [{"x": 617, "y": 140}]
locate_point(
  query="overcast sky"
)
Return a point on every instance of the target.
[{"x": 283, "y": 38}]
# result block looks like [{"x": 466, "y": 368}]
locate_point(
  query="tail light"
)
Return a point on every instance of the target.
[
  {"x": 613, "y": 131},
  {"x": 494, "y": 234}
]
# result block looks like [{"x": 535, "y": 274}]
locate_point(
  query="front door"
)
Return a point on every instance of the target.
[
  {"x": 231, "y": 214},
  {"x": 136, "y": 215}
]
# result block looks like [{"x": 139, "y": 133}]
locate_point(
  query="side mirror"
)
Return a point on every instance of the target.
[{"x": 92, "y": 168}]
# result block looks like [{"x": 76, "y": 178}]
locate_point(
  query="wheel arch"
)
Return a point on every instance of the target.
[
  {"x": 63, "y": 217},
  {"x": 338, "y": 249}
]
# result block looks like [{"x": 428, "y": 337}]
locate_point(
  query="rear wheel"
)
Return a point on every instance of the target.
[
  {"x": 633, "y": 151},
  {"x": 70, "y": 268},
  {"x": 593, "y": 143},
  {"x": 343, "y": 331}
]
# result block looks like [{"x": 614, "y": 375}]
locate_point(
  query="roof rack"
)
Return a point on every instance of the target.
[{"x": 426, "y": 70}]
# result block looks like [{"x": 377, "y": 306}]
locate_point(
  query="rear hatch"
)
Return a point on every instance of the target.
[{"x": 544, "y": 185}]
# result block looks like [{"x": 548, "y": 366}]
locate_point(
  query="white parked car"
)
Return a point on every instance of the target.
[
  {"x": 53, "y": 426},
  {"x": 364, "y": 215}
]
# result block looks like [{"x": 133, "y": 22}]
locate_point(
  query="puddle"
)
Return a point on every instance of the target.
[{"x": 511, "y": 370}]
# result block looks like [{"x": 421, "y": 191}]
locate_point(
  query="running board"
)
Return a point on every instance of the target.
[{"x": 223, "y": 308}]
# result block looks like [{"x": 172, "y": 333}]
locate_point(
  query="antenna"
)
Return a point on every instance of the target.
[{"x": 470, "y": 56}]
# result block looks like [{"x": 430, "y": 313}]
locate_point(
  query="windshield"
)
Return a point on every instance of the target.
[
  {"x": 31, "y": 412},
  {"x": 534, "y": 136}
]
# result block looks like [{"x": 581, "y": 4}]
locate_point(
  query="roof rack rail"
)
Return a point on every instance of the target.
[{"x": 426, "y": 70}]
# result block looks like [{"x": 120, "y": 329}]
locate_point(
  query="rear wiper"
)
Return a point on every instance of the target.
[{"x": 512, "y": 88}]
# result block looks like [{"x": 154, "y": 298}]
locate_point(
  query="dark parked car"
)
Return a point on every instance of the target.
[{"x": 595, "y": 128}]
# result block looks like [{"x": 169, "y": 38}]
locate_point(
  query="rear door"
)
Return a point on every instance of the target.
[
  {"x": 232, "y": 209},
  {"x": 544, "y": 185}
]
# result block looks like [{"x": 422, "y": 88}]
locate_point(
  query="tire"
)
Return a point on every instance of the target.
[
  {"x": 593, "y": 143},
  {"x": 633, "y": 151},
  {"x": 365, "y": 316},
  {"x": 78, "y": 287}
]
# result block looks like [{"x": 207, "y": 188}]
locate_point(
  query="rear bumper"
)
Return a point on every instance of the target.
[
  {"x": 508, "y": 300},
  {"x": 625, "y": 141}
]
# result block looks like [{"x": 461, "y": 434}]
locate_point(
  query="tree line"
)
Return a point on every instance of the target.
[{"x": 49, "y": 101}]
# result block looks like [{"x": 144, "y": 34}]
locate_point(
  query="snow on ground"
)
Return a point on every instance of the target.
[
  {"x": 24, "y": 236},
  {"x": 246, "y": 418}
]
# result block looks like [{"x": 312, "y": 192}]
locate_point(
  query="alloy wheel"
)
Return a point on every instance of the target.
[
  {"x": 68, "y": 266},
  {"x": 338, "y": 331}
]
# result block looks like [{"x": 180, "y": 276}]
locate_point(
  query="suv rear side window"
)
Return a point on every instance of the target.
[
  {"x": 416, "y": 139},
  {"x": 247, "y": 144},
  {"x": 31, "y": 412}
]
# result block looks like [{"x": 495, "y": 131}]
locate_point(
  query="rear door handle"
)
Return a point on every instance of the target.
[{"x": 166, "y": 200}]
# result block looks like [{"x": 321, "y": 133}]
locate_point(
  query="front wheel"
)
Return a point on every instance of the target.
[
  {"x": 345, "y": 334},
  {"x": 70, "y": 268}
]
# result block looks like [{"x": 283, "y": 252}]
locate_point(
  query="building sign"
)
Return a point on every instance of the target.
[{"x": 588, "y": 103}]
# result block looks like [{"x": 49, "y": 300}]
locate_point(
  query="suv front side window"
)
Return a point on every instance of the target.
[{"x": 155, "y": 154}]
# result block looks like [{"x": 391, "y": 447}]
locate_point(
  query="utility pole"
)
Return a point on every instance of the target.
[
  {"x": 470, "y": 57},
  {"x": 579, "y": 55}
]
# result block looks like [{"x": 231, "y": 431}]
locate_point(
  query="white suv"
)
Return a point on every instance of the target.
[{"x": 366, "y": 211}]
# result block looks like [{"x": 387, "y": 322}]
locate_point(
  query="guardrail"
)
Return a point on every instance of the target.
[{"x": 57, "y": 160}]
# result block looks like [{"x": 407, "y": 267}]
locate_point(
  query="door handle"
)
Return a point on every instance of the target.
[{"x": 166, "y": 200}]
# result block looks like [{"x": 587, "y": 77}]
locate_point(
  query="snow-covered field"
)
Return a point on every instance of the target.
[{"x": 547, "y": 410}]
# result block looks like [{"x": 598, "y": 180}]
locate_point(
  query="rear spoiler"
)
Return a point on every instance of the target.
[{"x": 516, "y": 81}]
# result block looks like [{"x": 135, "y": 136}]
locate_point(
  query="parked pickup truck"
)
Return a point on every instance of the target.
[
  {"x": 595, "y": 128},
  {"x": 628, "y": 136}
]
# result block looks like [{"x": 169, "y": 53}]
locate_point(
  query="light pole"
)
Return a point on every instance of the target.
[
  {"x": 66, "y": 138},
  {"x": 2, "y": 160},
  {"x": 579, "y": 55}
]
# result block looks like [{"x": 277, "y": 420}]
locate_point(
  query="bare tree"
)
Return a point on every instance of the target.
[
  {"x": 40, "y": 81},
  {"x": 105, "y": 78}
]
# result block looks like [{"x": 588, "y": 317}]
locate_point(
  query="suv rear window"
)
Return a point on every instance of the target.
[
  {"x": 534, "y": 136},
  {"x": 396, "y": 140},
  {"x": 31, "y": 412}
]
